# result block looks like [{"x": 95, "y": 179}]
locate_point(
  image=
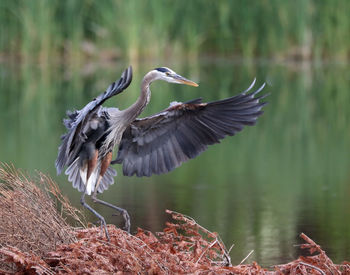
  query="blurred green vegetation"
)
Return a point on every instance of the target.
[{"x": 76, "y": 30}]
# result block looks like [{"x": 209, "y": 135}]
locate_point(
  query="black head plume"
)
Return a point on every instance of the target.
[{"x": 162, "y": 69}]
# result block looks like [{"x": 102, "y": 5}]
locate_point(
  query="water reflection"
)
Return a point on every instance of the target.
[{"x": 259, "y": 190}]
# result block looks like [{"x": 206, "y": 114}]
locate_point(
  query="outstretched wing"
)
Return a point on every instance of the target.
[
  {"x": 77, "y": 121},
  {"x": 160, "y": 143}
]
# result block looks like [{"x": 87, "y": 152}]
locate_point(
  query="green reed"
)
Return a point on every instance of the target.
[{"x": 72, "y": 31}]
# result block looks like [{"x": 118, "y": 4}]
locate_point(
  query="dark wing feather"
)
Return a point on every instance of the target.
[
  {"x": 76, "y": 121},
  {"x": 160, "y": 143}
]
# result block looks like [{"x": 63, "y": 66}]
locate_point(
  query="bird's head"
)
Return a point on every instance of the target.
[{"x": 168, "y": 75}]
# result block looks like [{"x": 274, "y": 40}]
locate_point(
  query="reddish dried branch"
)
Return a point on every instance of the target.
[
  {"x": 311, "y": 245},
  {"x": 313, "y": 264}
]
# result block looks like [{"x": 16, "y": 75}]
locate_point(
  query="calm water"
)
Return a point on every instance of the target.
[{"x": 259, "y": 190}]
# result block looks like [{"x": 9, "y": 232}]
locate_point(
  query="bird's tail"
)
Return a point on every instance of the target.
[{"x": 77, "y": 176}]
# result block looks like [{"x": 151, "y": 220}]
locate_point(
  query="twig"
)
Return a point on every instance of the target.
[
  {"x": 229, "y": 251},
  {"x": 250, "y": 253},
  {"x": 210, "y": 246},
  {"x": 192, "y": 222},
  {"x": 310, "y": 242},
  {"x": 42, "y": 268},
  {"x": 314, "y": 267}
]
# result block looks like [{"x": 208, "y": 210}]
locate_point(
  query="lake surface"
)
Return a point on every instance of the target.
[{"x": 259, "y": 189}]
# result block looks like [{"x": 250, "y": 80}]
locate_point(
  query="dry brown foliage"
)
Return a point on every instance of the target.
[
  {"x": 317, "y": 264},
  {"x": 35, "y": 238},
  {"x": 29, "y": 220},
  {"x": 184, "y": 247}
]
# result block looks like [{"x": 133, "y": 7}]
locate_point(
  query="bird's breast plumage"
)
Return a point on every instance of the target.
[{"x": 114, "y": 132}]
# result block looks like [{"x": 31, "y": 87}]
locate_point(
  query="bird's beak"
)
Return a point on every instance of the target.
[{"x": 181, "y": 80}]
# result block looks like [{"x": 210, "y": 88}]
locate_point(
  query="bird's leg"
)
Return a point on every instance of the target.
[
  {"x": 91, "y": 165},
  {"x": 122, "y": 211},
  {"x": 104, "y": 166},
  {"x": 99, "y": 216}
]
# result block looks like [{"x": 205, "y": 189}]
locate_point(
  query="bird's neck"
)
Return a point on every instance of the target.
[{"x": 136, "y": 109}]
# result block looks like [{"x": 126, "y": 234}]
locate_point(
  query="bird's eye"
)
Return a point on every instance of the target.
[{"x": 167, "y": 74}]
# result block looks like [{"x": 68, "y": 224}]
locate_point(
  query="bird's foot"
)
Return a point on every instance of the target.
[
  {"x": 104, "y": 228},
  {"x": 126, "y": 217}
]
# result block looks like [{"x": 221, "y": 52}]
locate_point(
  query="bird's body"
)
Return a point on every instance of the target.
[{"x": 150, "y": 145}]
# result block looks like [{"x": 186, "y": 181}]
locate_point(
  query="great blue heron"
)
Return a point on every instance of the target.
[{"x": 152, "y": 145}]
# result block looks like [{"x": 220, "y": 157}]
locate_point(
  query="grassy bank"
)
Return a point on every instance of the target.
[{"x": 73, "y": 31}]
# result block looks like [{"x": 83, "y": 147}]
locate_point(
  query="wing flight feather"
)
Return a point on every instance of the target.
[{"x": 161, "y": 142}]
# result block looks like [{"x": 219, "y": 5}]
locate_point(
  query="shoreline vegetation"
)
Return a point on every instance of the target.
[
  {"x": 36, "y": 237},
  {"x": 73, "y": 32}
]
